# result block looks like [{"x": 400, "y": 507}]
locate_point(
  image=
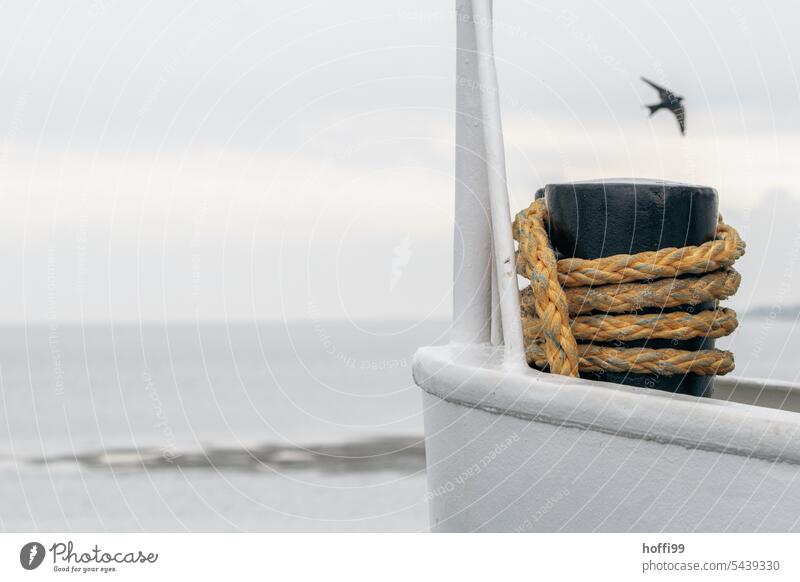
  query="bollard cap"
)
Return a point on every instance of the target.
[{"x": 601, "y": 218}]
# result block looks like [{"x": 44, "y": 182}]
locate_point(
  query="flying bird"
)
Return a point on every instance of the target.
[{"x": 668, "y": 101}]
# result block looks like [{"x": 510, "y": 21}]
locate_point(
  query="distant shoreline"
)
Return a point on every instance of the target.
[{"x": 774, "y": 311}]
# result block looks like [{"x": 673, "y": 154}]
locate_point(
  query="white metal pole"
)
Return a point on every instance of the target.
[
  {"x": 472, "y": 308},
  {"x": 504, "y": 258}
]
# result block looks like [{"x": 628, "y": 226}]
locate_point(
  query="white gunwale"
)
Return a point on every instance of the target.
[{"x": 475, "y": 376}]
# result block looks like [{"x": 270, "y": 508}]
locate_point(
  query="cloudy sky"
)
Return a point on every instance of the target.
[{"x": 252, "y": 160}]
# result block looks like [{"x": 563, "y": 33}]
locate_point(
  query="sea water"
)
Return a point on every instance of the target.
[{"x": 309, "y": 426}]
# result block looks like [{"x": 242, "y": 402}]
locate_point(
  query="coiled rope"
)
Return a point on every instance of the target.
[{"x": 562, "y": 292}]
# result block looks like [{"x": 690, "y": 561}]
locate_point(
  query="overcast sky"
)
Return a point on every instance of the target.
[{"x": 254, "y": 160}]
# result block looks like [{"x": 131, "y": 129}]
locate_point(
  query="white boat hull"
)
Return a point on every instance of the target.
[{"x": 526, "y": 451}]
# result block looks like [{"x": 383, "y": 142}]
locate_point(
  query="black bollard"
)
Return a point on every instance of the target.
[{"x": 597, "y": 219}]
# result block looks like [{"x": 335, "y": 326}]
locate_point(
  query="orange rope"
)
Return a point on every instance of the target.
[{"x": 574, "y": 287}]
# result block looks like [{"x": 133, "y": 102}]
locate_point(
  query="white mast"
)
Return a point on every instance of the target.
[
  {"x": 503, "y": 243},
  {"x": 472, "y": 254}
]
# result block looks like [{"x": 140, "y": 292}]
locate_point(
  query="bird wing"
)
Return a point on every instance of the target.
[
  {"x": 680, "y": 115},
  {"x": 665, "y": 94}
]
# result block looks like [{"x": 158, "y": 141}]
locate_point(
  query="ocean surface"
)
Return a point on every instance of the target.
[{"x": 242, "y": 427}]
